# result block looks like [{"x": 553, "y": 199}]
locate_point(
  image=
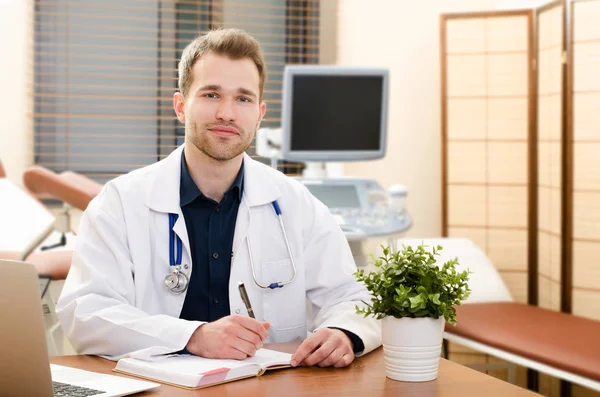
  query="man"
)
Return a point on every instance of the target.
[{"x": 205, "y": 218}]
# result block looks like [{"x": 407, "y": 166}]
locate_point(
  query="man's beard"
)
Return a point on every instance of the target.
[{"x": 211, "y": 147}]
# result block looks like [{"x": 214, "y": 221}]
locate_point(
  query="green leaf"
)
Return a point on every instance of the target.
[
  {"x": 416, "y": 301},
  {"x": 410, "y": 283}
]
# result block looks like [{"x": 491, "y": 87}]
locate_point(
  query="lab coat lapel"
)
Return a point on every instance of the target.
[
  {"x": 259, "y": 189},
  {"x": 164, "y": 194},
  {"x": 242, "y": 224}
]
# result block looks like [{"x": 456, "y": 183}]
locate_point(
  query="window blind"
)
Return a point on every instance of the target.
[{"x": 105, "y": 73}]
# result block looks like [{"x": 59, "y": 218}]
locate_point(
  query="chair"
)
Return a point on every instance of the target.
[
  {"x": 70, "y": 187},
  {"x": 73, "y": 189}
]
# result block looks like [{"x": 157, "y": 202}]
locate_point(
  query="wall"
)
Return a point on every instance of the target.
[
  {"x": 404, "y": 36},
  {"x": 16, "y": 37}
]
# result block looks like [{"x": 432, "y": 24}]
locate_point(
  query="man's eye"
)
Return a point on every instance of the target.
[
  {"x": 244, "y": 99},
  {"x": 210, "y": 95}
]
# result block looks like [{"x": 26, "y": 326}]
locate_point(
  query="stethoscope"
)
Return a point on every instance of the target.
[{"x": 177, "y": 281}]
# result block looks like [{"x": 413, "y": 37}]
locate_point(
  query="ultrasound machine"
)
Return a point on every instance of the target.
[{"x": 334, "y": 114}]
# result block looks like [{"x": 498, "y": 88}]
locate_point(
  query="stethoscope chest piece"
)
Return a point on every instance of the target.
[{"x": 176, "y": 281}]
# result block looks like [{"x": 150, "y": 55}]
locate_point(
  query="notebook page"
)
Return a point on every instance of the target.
[
  {"x": 193, "y": 371},
  {"x": 266, "y": 358},
  {"x": 189, "y": 371},
  {"x": 188, "y": 364}
]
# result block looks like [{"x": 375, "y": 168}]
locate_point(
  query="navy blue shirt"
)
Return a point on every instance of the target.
[{"x": 210, "y": 227}]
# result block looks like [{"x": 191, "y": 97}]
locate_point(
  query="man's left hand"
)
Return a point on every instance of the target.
[{"x": 326, "y": 347}]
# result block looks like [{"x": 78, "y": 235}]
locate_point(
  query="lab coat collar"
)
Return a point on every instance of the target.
[{"x": 163, "y": 196}]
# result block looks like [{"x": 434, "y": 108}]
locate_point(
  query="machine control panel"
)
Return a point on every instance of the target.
[{"x": 360, "y": 206}]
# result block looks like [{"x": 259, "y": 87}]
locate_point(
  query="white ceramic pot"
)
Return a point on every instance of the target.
[{"x": 412, "y": 347}]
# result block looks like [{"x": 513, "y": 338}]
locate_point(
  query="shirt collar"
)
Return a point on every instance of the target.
[{"x": 188, "y": 190}]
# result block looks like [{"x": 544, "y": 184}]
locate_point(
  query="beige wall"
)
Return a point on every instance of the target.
[
  {"x": 404, "y": 37},
  {"x": 15, "y": 71}
]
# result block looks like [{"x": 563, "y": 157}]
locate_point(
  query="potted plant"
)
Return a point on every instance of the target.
[{"x": 414, "y": 297}]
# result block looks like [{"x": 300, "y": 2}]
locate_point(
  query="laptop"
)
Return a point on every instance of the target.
[{"x": 24, "y": 364}]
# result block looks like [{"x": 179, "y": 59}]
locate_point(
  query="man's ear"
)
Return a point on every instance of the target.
[
  {"x": 263, "y": 110},
  {"x": 179, "y": 106}
]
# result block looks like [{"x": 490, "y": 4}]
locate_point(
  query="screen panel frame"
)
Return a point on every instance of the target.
[{"x": 290, "y": 72}]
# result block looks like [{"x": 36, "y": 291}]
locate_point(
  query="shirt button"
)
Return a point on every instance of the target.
[
  {"x": 237, "y": 311},
  {"x": 215, "y": 255},
  {"x": 217, "y": 209},
  {"x": 216, "y": 300}
]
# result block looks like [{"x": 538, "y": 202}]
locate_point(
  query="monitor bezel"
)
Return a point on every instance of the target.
[{"x": 291, "y": 71}]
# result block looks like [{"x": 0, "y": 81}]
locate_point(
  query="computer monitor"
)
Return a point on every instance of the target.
[{"x": 334, "y": 113}]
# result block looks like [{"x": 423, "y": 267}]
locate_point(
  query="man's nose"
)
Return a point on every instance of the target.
[{"x": 225, "y": 110}]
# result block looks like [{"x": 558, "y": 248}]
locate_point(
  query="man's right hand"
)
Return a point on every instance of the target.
[{"x": 234, "y": 337}]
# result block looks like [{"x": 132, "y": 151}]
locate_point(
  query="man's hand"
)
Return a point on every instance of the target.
[
  {"x": 326, "y": 347},
  {"x": 234, "y": 337}
]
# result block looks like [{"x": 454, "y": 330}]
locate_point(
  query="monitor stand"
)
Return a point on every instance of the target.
[{"x": 314, "y": 170}]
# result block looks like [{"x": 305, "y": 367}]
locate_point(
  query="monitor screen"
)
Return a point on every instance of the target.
[
  {"x": 342, "y": 196},
  {"x": 334, "y": 113}
]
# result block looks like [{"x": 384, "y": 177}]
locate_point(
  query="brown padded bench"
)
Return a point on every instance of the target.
[{"x": 558, "y": 344}]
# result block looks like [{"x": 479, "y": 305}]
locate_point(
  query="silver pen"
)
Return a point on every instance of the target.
[{"x": 245, "y": 298}]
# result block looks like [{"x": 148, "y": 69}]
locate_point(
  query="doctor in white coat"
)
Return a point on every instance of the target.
[{"x": 133, "y": 263}]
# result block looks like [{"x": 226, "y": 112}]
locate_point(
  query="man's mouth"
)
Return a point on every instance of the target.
[{"x": 222, "y": 130}]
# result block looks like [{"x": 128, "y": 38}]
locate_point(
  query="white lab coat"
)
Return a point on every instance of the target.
[{"x": 115, "y": 303}]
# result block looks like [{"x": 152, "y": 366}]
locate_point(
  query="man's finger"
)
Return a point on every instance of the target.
[
  {"x": 253, "y": 325},
  {"x": 233, "y": 353},
  {"x": 249, "y": 336},
  {"x": 345, "y": 360},
  {"x": 320, "y": 354},
  {"x": 245, "y": 347},
  {"x": 332, "y": 358},
  {"x": 308, "y": 346}
]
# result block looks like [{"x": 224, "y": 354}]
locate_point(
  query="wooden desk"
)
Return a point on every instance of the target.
[{"x": 365, "y": 377}]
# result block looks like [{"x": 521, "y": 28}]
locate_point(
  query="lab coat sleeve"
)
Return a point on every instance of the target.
[
  {"x": 331, "y": 286},
  {"x": 97, "y": 306}
]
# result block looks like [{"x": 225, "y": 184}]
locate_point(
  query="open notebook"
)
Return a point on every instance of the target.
[{"x": 195, "y": 372}]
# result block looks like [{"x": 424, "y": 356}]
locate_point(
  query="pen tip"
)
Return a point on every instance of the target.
[{"x": 240, "y": 283}]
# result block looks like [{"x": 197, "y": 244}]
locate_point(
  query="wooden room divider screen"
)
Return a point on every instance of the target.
[
  {"x": 549, "y": 106},
  {"x": 549, "y": 144},
  {"x": 488, "y": 147},
  {"x": 582, "y": 293},
  {"x": 521, "y": 150}
]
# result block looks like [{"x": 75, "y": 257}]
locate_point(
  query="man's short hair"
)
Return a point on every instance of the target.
[{"x": 233, "y": 43}]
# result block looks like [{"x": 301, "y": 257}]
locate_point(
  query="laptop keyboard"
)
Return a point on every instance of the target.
[{"x": 66, "y": 390}]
